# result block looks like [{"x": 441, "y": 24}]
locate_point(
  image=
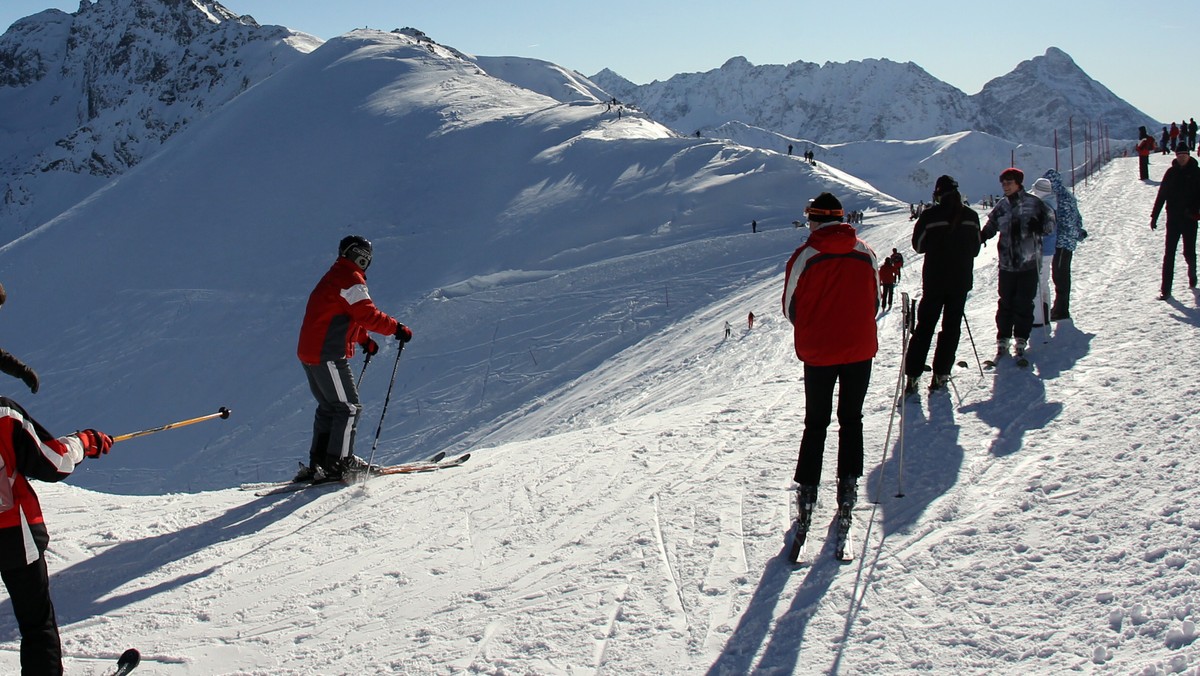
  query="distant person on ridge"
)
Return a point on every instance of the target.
[
  {"x": 831, "y": 297},
  {"x": 14, "y": 367},
  {"x": 1144, "y": 147},
  {"x": 28, "y": 451},
  {"x": 1180, "y": 191},
  {"x": 340, "y": 312},
  {"x": 1018, "y": 222},
  {"x": 948, "y": 234}
]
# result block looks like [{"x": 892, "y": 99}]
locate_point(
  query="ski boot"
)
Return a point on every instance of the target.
[
  {"x": 1019, "y": 352},
  {"x": 847, "y": 496},
  {"x": 939, "y": 381},
  {"x": 806, "y": 501},
  {"x": 910, "y": 384},
  {"x": 305, "y": 473}
]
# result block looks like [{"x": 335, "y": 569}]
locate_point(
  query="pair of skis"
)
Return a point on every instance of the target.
[{"x": 433, "y": 464}]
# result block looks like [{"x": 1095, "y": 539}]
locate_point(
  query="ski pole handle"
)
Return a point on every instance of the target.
[{"x": 222, "y": 413}]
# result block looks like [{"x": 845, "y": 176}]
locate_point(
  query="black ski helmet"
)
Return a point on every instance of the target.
[{"x": 356, "y": 248}]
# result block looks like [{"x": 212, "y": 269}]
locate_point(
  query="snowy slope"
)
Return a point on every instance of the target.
[
  {"x": 514, "y": 233},
  {"x": 1045, "y": 526}
]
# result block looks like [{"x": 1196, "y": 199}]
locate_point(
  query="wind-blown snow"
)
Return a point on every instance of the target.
[{"x": 1045, "y": 526}]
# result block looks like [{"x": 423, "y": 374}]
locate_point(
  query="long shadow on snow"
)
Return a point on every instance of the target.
[
  {"x": 84, "y": 589},
  {"x": 785, "y": 639},
  {"x": 932, "y": 460},
  {"x": 1018, "y": 403}
]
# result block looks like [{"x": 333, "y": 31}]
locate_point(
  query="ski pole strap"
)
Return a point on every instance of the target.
[{"x": 222, "y": 413}]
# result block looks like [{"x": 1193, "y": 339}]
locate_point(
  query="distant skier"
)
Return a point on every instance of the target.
[
  {"x": 1145, "y": 146},
  {"x": 750, "y": 321},
  {"x": 728, "y": 328},
  {"x": 1018, "y": 222},
  {"x": 831, "y": 296},
  {"x": 1180, "y": 191},
  {"x": 340, "y": 312},
  {"x": 14, "y": 367},
  {"x": 887, "y": 282},
  {"x": 28, "y": 451},
  {"x": 948, "y": 234},
  {"x": 897, "y": 259}
]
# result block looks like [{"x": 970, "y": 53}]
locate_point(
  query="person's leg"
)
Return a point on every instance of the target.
[
  {"x": 948, "y": 337},
  {"x": 29, "y": 590},
  {"x": 819, "y": 382},
  {"x": 852, "y": 393},
  {"x": 928, "y": 311}
]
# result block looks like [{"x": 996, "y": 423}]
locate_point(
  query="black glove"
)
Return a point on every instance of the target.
[
  {"x": 1154, "y": 224},
  {"x": 31, "y": 379},
  {"x": 403, "y": 333},
  {"x": 369, "y": 347},
  {"x": 1082, "y": 234}
]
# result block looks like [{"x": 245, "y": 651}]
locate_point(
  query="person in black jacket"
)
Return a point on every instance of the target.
[
  {"x": 948, "y": 234},
  {"x": 14, "y": 367},
  {"x": 1180, "y": 191}
]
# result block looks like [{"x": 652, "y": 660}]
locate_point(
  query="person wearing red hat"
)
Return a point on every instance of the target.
[
  {"x": 1018, "y": 222},
  {"x": 831, "y": 298}
]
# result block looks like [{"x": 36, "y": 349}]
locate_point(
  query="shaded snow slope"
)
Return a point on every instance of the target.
[
  {"x": 525, "y": 240},
  {"x": 1045, "y": 525}
]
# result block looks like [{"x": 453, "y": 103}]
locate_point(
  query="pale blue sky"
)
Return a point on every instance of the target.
[{"x": 961, "y": 42}]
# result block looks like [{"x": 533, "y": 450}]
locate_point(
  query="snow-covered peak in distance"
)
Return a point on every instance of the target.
[
  {"x": 90, "y": 94},
  {"x": 896, "y": 101}
]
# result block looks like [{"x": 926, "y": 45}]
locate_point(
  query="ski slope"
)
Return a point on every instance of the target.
[{"x": 1046, "y": 526}]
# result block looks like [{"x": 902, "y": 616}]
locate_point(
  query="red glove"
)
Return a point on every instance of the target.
[
  {"x": 95, "y": 444},
  {"x": 403, "y": 333},
  {"x": 369, "y": 346}
]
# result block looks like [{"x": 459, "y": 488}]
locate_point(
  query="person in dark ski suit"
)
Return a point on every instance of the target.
[
  {"x": 1180, "y": 191},
  {"x": 887, "y": 281},
  {"x": 1019, "y": 220},
  {"x": 948, "y": 233},
  {"x": 14, "y": 367},
  {"x": 28, "y": 451},
  {"x": 831, "y": 297},
  {"x": 339, "y": 315}
]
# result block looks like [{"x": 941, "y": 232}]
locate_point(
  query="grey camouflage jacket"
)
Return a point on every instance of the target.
[{"x": 1019, "y": 221}]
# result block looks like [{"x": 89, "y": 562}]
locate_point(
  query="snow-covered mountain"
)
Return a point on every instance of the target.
[
  {"x": 88, "y": 95},
  {"x": 878, "y": 99},
  {"x": 513, "y": 232}
]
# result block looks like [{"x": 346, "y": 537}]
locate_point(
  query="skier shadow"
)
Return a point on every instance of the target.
[
  {"x": 1187, "y": 315},
  {"x": 926, "y": 470},
  {"x": 1064, "y": 350},
  {"x": 1017, "y": 405},
  {"x": 90, "y": 588},
  {"x": 782, "y": 651}
]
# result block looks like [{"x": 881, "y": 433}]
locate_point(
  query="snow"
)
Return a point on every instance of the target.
[{"x": 568, "y": 276}]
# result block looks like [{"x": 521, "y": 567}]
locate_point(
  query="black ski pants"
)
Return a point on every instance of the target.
[
  {"x": 29, "y": 589},
  {"x": 950, "y": 306},
  {"x": 889, "y": 295},
  {"x": 1177, "y": 229},
  {"x": 1060, "y": 272},
  {"x": 1014, "y": 311},
  {"x": 338, "y": 407},
  {"x": 819, "y": 382},
  {"x": 1144, "y": 167}
]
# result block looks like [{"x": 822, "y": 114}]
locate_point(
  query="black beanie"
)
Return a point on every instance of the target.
[
  {"x": 824, "y": 208},
  {"x": 944, "y": 185}
]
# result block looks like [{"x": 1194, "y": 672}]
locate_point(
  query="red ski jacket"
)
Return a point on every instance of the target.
[
  {"x": 27, "y": 451},
  {"x": 339, "y": 314},
  {"x": 831, "y": 297}
]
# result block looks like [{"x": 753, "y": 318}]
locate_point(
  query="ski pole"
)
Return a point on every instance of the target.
[
  {"x": 222, "y": 413},
  {"x": 386, "y": 399},
  {"x": 977, "y": 360},
  {"x": 363, "y": 373},
  {"x": 896, "y": 396}
]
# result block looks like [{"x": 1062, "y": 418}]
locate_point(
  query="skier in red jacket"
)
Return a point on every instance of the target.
[
  {"x": 831, "y": 298},
  {"x": 339, "y": 315},
  {"x": 28, "y": 451}
]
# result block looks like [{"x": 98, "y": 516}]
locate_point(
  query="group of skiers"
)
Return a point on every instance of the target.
[{"x": 834, "y": 288}]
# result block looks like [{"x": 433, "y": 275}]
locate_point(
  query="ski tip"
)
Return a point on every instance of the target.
[{"x": 130, "y": 658}]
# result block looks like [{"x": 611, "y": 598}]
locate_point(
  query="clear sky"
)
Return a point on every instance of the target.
[{"x": 962, "y": 42}]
